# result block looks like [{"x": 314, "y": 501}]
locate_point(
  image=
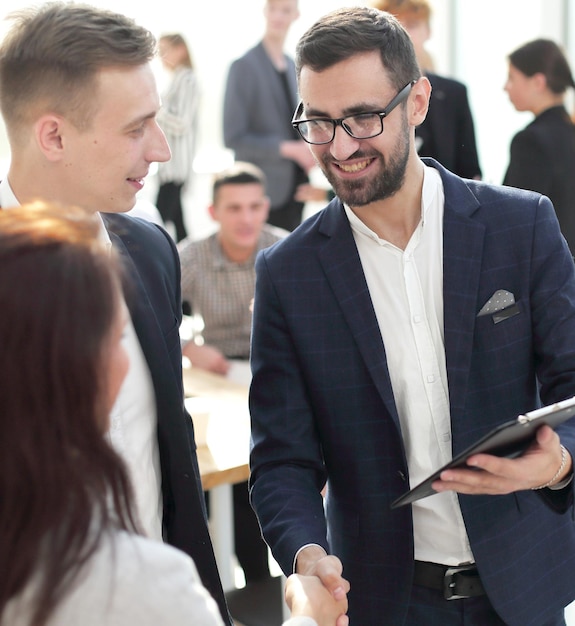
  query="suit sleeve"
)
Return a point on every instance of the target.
[
  {"x": 287, "y": 470},
  {"x": 552, "y": 306}
]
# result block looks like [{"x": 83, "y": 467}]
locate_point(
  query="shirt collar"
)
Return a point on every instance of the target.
[{"x": 431, "y": 183}]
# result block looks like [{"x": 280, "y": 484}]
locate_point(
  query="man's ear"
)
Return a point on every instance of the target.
[
  {"x": 419, "y": 101},
  {"x": 48, "y": 132},
  {"x": 268, "y": 204},
  {"x": 212, "y": 211}
]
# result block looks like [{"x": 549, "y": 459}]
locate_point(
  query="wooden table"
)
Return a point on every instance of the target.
[{"x": 219, "y": 409}]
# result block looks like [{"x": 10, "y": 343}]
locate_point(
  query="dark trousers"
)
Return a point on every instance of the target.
[
  {"x": 251, "y": 549},
  {"x": 288, "y": 216},
  {"x": 428, "y": 607},
  {"x": 169, "y": 203}
]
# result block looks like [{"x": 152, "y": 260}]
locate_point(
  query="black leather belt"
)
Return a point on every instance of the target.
[{"x": 456, "y": 583}]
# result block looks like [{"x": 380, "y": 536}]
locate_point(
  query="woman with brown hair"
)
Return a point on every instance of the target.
[
  {"x": 69, "y": 549},
  {"x": 67, "y": 545},
  {"x": 542, "y": 155}
]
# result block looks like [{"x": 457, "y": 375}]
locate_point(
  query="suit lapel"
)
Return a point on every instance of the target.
[
  {"x": 462, "y": 260},
  {"x": 343, "y": 269},
  {"x": 146, "y": 326}
]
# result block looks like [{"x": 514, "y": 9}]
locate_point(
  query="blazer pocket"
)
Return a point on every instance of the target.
[{"x": 511, "y": 326}]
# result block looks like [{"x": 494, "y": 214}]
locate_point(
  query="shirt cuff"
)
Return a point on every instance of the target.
[
  {"x": 561, "y": 485},
  {"x": 307, "y": 545}
]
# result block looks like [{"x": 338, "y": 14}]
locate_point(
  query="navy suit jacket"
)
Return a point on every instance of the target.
[
  {"x": 322, "y": 404},
  {"x": 257, "y": 118},
  {"x": 154, "y": 300},
  {"x": 447, "y": 134},
  {"x": 542, "y": 158}
]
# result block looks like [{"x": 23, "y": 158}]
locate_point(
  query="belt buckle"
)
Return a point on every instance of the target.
[{"x": 449, "y": 592}]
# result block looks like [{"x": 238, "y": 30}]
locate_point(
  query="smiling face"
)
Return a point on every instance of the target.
[
  {"x": 104, "y": 165},
  {"x": 361, "y": 171}
]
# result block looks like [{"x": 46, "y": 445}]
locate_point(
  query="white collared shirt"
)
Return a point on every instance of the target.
[
  {"x": 406, "y": 288},
  {"x": 133, "y": 419}
]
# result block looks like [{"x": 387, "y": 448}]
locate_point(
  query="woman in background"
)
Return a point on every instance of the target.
[
  {"x": 178, "y": 119},
  {"x": 542, "y": 155},
  {"x": 69, "y": 549}
]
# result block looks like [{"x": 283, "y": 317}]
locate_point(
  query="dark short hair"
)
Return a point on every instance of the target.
[
  {"x": 52, "y": 53},
  {"x": 343, "y": 33},
  {"x": 543, "y": 56},
  {"x": 240, "y": 173}
]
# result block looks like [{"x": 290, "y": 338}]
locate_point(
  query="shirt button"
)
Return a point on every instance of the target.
[
  {"x": 416, "y": 319},
  {"x": 431, "y": 378}
]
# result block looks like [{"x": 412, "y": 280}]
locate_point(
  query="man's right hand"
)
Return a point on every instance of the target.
[
  {"x": 305, "y": 595},
  {"x": 313, "y": 561}
]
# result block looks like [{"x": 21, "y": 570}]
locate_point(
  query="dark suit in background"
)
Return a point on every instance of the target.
[
  {"x": 154, "y": 301},
  {"x": 447, "y": 133},
  {"x": 258, "y": 108},
  {"x": 542, "y": 158},
  {"x": 322, "y": 403}
]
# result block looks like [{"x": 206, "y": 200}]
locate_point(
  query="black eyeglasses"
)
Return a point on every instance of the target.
[{"x": 321, "y": 130}]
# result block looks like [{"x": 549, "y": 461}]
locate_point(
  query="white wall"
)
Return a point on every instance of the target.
[{"x": 470, "y": 41}]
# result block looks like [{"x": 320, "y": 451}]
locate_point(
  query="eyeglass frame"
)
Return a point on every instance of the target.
[{"x": 400, "y": 97}]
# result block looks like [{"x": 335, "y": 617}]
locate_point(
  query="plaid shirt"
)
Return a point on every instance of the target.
[{"x": 220, "y": 291}]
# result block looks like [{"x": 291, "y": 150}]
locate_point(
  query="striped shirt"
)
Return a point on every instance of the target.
[{"x": 178, "y": 119}]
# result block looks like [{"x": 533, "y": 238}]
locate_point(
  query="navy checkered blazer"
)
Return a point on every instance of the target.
[{"x": 322, "y": 405}]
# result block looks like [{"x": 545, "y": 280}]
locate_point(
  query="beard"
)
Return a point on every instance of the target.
[{"x": 367, "y": 190}]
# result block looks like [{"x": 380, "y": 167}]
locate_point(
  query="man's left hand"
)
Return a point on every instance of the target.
[{"x": 495, "y": 475}]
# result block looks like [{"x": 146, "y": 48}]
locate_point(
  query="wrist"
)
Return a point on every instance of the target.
[
  {"x": 562, "y": 474},
  {"x": 307, "y": 557}
]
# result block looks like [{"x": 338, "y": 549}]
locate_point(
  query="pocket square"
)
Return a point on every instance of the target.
[{"x": 500, "y": 306}]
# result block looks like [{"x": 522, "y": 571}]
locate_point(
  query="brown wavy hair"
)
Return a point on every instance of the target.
[{"x": 61, "y": 484}]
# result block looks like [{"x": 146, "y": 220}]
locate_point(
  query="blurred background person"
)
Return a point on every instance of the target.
[
  {"x": 178, "y": 118},
  {"x": 542, "y": 155},
  {"x": 218, "y": 283},
  {"x": 448, "y": 132},
  {"x": 259, "y": 100}
]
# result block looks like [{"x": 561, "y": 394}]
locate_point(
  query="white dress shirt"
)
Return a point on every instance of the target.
[
  {"x": 406, "y": 288},
  {"x": 133, "y": 419}
]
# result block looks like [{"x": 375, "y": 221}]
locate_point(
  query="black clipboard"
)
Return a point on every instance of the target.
[{"x": 510, "y": 439}]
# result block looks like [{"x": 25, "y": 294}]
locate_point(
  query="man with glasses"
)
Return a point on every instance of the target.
[{"x": 392, "y": 330}]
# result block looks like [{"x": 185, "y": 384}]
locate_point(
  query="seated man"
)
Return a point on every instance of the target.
[
  {"x": 218, "y": 282},
  {"x": 218, "y": 274}
]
